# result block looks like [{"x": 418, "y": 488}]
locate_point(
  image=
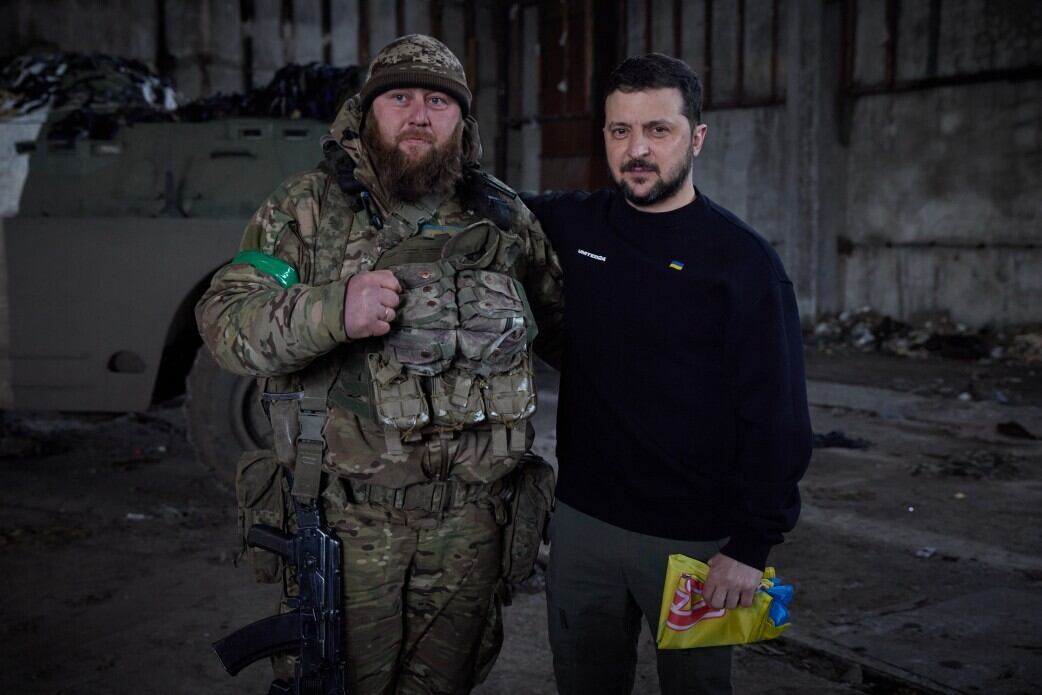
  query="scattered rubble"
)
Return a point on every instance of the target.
[
  {"x": 838, "y": 440},
  {"x": 123, "y": 442},
  {"x": 44, "y": 535},
  {"x": 867, "y": 330},
  {"x": 926, "y": 553},
  {"x": 976, "y": 464},
  {"x": 1027, "y": 348}
]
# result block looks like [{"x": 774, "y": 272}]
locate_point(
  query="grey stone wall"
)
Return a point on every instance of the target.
[{"x": 944, "y": 203}]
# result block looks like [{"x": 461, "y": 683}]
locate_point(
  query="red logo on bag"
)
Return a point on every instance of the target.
[{"x": 688, "y": 607}]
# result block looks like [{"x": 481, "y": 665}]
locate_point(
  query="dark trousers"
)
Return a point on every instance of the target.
[{"x": 601, "y": 580}]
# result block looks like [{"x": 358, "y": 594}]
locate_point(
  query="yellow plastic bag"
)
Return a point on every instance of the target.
[{"x": 687, "y": 621}]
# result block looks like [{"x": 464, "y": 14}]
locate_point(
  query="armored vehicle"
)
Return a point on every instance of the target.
[{"x": 113, "y": 243}]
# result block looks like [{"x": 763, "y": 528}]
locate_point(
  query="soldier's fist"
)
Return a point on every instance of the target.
[{"x": 369, "y": 303}]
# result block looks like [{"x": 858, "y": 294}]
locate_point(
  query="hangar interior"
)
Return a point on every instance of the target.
[{"x": 890, "y": 150}]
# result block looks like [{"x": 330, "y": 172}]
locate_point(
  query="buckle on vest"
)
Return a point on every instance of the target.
[{"x": 311, "y": 425}]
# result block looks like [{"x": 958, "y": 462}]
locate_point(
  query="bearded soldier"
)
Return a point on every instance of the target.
[{"x": 388, "y": 302}]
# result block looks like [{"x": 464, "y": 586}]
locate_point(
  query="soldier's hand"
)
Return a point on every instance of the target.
[
  {"x": 369, "y": 303},
  {"x": 730, "y": 583}
]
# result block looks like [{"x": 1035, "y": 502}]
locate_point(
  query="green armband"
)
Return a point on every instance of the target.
[{"x": 283, "y": 272}]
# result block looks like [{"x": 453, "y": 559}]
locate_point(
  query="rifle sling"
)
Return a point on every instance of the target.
[{"x": 311, "y": 445}]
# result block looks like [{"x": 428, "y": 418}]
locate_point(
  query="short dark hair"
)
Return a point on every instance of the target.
[{"x": 658, "y": 71}]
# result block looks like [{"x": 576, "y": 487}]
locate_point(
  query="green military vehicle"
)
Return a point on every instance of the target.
[{"x": 113, "y": 243}]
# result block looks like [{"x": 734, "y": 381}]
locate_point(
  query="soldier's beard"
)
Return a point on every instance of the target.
[{"x": 408, "y": 180}]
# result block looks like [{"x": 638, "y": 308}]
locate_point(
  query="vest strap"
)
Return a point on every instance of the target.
[
  {"x": 311, "y": 444},
  {"x": 499, "y": 440},
  {"x": 393, "y": 440},
  {"x": 461, "y": 394},
  {"x": 517, "y": 438}
]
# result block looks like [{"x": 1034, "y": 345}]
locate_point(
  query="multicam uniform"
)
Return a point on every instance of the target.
[{"x": 420, "y": 426}]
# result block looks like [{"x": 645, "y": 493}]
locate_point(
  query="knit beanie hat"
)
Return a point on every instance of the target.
[{"x": 416, "y": 61}]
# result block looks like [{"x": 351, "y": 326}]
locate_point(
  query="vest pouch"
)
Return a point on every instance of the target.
[
  {"x": 483, "y": 245},
  {"x": 397, "y": 398},
  {"x": 493, "y": 333},
  {"x": 485, "y": 353},
  {"x": 530, "y": 505},
  {"x": 508, "y": 251},
  {"x": 509, "y": 402},
  {"x": 421, "y": 351},
  {"x": 428, "y": 297},
  {"x": 456, "y": 399},
  {"x": 423, "y": 339},
  {"x": 474, "y": 247},
  {"x": 510, "y": 396},
  {"x": 261, "y": 492}
]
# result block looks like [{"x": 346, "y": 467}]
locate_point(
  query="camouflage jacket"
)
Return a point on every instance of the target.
[{"x": 253, "y": 325}]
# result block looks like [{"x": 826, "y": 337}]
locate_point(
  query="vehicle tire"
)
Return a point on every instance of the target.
[{"x": 224, "y": 417}]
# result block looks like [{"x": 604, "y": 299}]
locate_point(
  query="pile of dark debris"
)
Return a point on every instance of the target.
[
  {"x": 867, "y": 330},
  {"x": 94, "y": 95}
]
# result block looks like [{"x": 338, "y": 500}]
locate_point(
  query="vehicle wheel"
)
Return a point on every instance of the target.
[{"x": 224, "y": 416}]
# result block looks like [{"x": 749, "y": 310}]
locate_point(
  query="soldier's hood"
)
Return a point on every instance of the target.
[{"x": 346, "y": 131}]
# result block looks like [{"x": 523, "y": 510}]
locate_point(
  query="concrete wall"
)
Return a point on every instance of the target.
[
  {"x": 742, "y": 168},
  {"x": 944, "y": 192},
  {"x": 944, "y": 203}
]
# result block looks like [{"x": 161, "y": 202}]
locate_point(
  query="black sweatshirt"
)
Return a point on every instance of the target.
[{"x": 683, "y": 406}]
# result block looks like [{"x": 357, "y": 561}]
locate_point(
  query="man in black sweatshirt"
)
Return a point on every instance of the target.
[{"x": 682, "y": 419}]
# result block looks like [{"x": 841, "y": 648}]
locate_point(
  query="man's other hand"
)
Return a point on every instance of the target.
[
  {"x": 730, "y": 583},
  {"x": 369, "y": 303}
]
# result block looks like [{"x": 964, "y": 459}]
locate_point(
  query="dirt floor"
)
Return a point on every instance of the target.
[{"x": 916, "y": 563}]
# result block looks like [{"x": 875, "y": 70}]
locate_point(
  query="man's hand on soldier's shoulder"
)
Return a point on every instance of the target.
[
  {"x": 369, "y": 303},
  {"x": 730, "y": 583}
]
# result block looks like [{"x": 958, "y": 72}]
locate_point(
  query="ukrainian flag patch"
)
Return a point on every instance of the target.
[{"x": 676, "y": 265}]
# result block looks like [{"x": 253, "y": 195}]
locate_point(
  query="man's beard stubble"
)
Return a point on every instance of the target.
[
  {"x": 406, "y": 180},
  {"x": 666, "y": 187}
]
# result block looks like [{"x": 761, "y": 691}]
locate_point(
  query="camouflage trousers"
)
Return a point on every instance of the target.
[{"x": 420, "y": 610}]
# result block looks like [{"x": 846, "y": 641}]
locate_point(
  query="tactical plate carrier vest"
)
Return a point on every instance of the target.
[{"x": 457, "y": 358}]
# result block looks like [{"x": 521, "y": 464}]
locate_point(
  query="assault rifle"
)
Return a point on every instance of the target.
[{"x": 313, "y": 628}]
